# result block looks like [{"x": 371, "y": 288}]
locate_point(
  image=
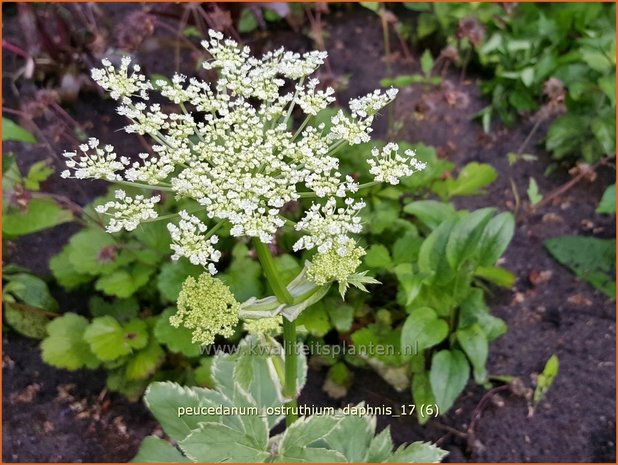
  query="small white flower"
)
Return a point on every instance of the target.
[
  {"x": 312, "y": 101},
  {"x": 389, "y": 166},
  {"x": 188, "y": 240},
  {"x": 128, "y": 212}
]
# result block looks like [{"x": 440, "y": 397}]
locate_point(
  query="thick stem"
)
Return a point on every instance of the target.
[{"x": 289, "y": 327}]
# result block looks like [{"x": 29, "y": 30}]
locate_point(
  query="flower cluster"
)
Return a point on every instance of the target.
[
  {"x": 207, "y": 307},
  {"x": 240, "y": 161},
  {"x": 128, "y": 212},
  {"x": 188, "y": 240},
  {"x": 264, "y": 326},
  {"x": 389, "y": 166},
  {"x": 333, "y": 266}
]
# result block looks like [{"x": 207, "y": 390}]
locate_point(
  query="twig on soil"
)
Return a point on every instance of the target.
[
  {"x": 583, "y": 173},
  {"x": 478, "y": 410}
]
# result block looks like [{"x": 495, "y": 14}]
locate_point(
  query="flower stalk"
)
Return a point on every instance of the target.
[{"x": 289, "y": 327}]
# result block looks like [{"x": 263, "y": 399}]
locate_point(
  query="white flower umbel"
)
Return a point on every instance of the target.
[
  {"x": 388, "y": 165},
  {"x": 189, "y": 240},
  {"x": 327, "y": 227},
  {"x": 127, "y": 212},
  {"x": 239, "y": 159},
  {"x": 119, "y": 82},
  {"x": 97, "y": 163}
]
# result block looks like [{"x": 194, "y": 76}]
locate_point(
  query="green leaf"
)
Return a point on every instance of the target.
[
  {"x": 604, "y": 131},
  {"x": 30, "y": 290},
  {"x": 546, "y": 378},
  {"x": 37, "y": 173},
  {"x": 63, "y": 271},
  {"x": 410, "y": 282},
  {"x": 11, "y": 131},
  {"x": 172, "y": 275},
  {"x": 177, "y": 340},
  {"x": 373, "y": 6},
  {"x": 145, "y": 362},
  {"x": 307, "y": 431},
  {"x": 497, "y": 275},
  {"x": 474, "y": 343},
  {"x": 430, "y": 212},
  {"x": 421, "y": 330},
  {"x": 341, "y": 316},
  {"x": 122, "y": 283},
  {"x": 496, "y": 238},
  {"x": 65, "y": 346},
  {"x": 107, "y": 338},
  {"x": 40, "y": 214},
  {"x": 422, "y": 395},
  {"x": 381, "y": 447},
  {"x": 426, "y": 62},
  {"x": 432, "y": 259},
  {"x": 608, "y": 201},
  {"x": 27, "y": 321},
  {"x": 608, "y": 86},
  {"x": 406, "y": 248},
  {"x": 214, "y": 443},
  {"x": 155, "y": 450},
  {"x": 353, "y": 435},
  {"x": 136, "y": 333},
  {"x": 463, "y": 242},
  {"x": 93, "y": 251},
  {"x": 472, "y": 178},
  {"x": 315, "y": 319},
  {"x": 247, "y": 21},
  {"x": 448, "y": 377},
  {"x": 533, "y": 192},
  {"x": 120, "y": 309},
  {"x": 473, "y": 310},
  {"x": 131, "y": 389},
  {"x": 243, "y": 275},
  {"x": 591, "y": 259},
  {"x": 378, "y": 257},
  {"x": 418, "y": 452}
]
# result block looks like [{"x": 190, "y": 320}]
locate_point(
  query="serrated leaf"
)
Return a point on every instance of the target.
[
  {"x": 418, "y": 452},
  {"x": 307, "y": 431},
  {"x": 176, "y": 339},
  {"x": 107, "y": 339},
  {"x": 378, "y": 257},
  {"x": 156, "y": 450},
  {"x": 474, "y": 343},
  {"x": 422, "y": 330},
  {"x": 381, "y": 447},
  {"x": 124, "y": 283},
  {"x": 145, "y": 362},
  {"x": 64, "y": 272},
  {"x": 93, "y": 251},
  {"x": 215, "y": 442},
  {"x": 448, "y": 376},
  {"x": 172, "y": 275},
  {"x": 352, "y": 437},
  {"x": 65, "y": 346},
  {"x": 40, "y": 214},
  {"x": 120, "y": 309}
]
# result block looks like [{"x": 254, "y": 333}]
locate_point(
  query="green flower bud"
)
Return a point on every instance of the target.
[
  {"x": 207, "y": 307},
  {"x": 331, "y": 266},
  {"x": 270, "y": 326}
]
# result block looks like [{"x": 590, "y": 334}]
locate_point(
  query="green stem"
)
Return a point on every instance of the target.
[
  {"x": 289, "y": 327},
  {"x": 144, "y": 186}
]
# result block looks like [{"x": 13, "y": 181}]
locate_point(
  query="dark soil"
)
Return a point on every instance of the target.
[{"x": 54, "y": 415}]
